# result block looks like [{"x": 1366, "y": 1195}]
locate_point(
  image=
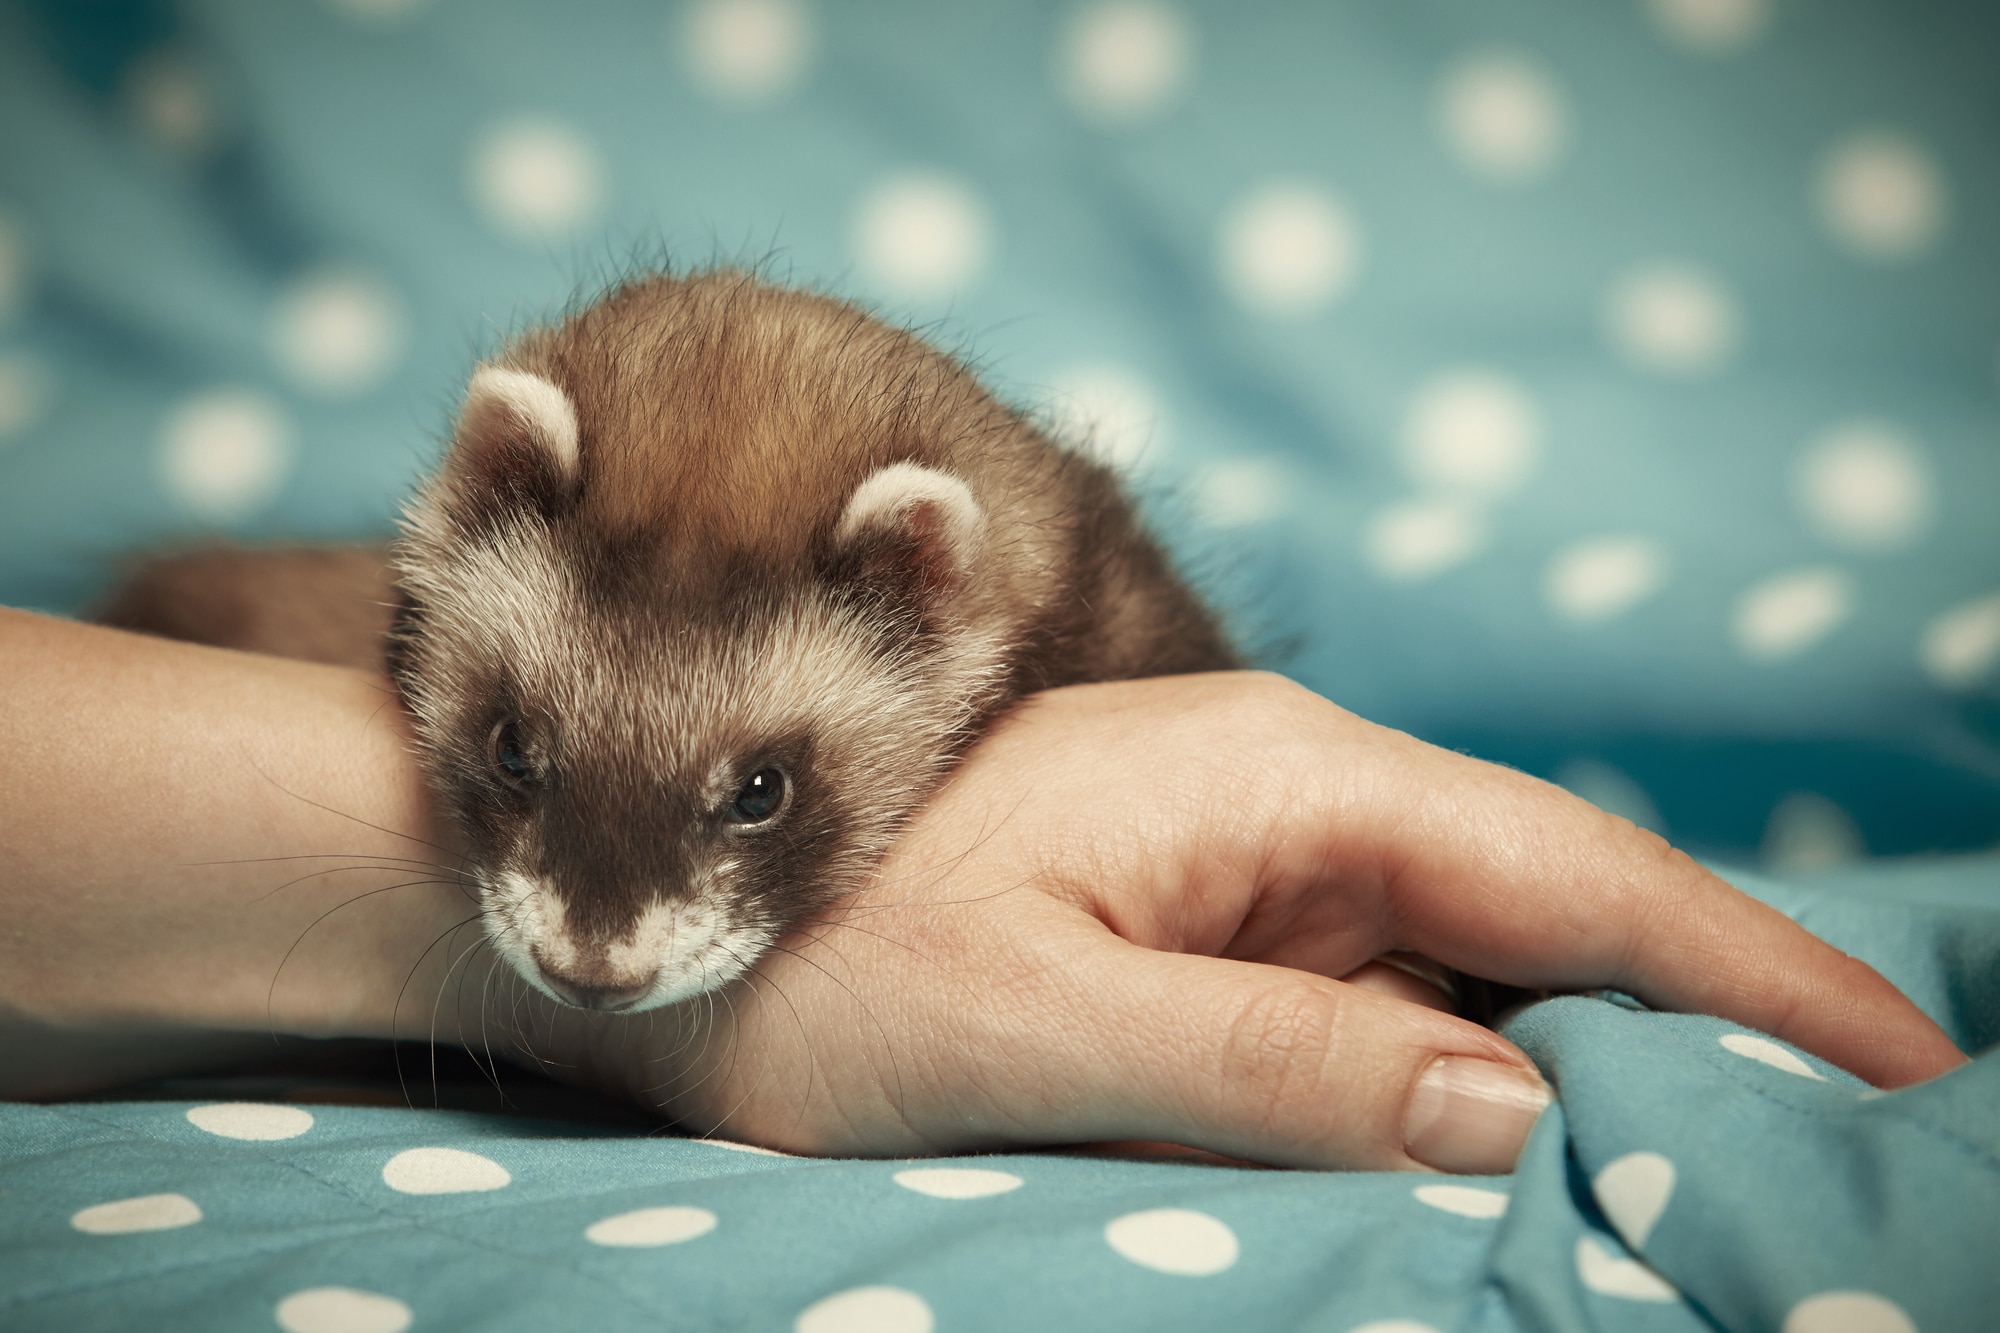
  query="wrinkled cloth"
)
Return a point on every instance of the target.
[{"x": 1693, "y": 1176}]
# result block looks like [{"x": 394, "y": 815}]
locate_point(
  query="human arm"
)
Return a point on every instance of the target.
[
  {"x": 1120, "y": 919},
  {"x": 203, "y": 848}
]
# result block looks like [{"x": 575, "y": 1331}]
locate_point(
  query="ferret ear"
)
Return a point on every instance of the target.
[
  {"x": 916, "y": 530},
  {"x": 517, "y": 439}
]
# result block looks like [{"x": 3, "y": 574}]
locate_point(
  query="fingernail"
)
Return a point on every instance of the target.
[{"x": 1470, "y": 1116}]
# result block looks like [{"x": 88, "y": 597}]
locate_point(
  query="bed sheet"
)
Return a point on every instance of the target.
[
  {"x": 1693, "y": 1176},
  {"x": 1606, "y": 389}
]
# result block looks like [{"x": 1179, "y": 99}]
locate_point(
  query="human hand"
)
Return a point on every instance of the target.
[
  {"x": 1118, "y": 920},
  {"x": 1124, "y": 917}
]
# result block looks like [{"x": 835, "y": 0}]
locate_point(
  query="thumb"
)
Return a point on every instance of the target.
[{"x": 1281, "y": 1066}]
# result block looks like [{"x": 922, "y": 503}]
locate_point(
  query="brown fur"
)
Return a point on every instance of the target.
[
  {"x": 727, "y": 420},
  {"x": 329, "y": 604},
  {"x": 672, "y": 609}
]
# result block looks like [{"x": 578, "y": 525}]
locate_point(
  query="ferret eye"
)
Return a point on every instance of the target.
[
  {"x": 510, "y": 756},
  {"x": 760, "y": 798}
]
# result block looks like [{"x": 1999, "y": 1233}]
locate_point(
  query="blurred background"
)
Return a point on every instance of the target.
[{"x": 1610, "y": 389}]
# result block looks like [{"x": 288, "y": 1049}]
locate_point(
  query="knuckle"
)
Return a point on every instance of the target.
[
  {"x": 1665, "y": 900},
  {"x": 1275, "y": 1048},
  {"x": 1676, "y": 880},
  {"x": 1268, "y": 716},
  {"x": 1274, "y": 698},
  {"x": 1657, "y": 854}
]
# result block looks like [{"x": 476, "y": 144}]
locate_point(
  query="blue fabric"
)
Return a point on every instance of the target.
[
  {"x": 1747, "y": 554},
  {"x": 1611, "y": 390},
  {"x": 1747, "y": 1192}
]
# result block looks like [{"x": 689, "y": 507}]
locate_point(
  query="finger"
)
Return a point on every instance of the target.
[
  {"x": 1407, "y": 976},
  {"x": 1281, "y": 1066},
  {"x": 1563, "y": 895}
]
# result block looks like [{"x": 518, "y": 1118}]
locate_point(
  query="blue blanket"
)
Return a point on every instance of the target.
[
  {"x": 1609, "y": 389},
  {"x": 1693, "y": 1176}
]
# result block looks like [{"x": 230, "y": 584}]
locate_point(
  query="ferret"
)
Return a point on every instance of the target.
[{"x": 715, "y": 582}]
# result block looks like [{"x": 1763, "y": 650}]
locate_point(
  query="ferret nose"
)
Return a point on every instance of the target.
[{"x": 594, "y": 994}]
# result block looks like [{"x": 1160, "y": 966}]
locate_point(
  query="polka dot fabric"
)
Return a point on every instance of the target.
[
  {"x": 1615, "y": 389},
  {"x": 1694, "y": 1176},
  {"x": 1612, "y": 390}
]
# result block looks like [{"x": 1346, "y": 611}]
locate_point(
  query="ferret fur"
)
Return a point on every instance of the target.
[{"x": 702, "y": 527}]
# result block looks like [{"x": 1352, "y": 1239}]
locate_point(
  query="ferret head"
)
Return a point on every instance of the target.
[{"x": 691, "y": 627}]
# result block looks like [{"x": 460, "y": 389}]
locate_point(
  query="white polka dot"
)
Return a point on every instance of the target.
[
  {"x": 341, "y": 1310},
  {"x": 1807, "y": 832},
  {"x": 1960, "y": 647},
  {"x": 1174, "y": 1240},
  {"x": 338, "y": 331},
  {"x": 1672, "y": 318},
  {"x": 867, "y": 1310},
  {"x": 148, "y": 1212},
  {"x": 379, "y": 12},
  {"x": 1503, "y": 116},
  {"x": 225, "y": 452},
  {"x": 172, "y": 102},
  {"x": 747, "y": 51},
  {"x": 1393, "y": 1326},
  {"x": 651, "y": 1226},
  {"x": 1881, "y": 196},
  {"x": 1240, "y": 492},
  {"x": 957, "y": 1182},
  {"x": 26, "y": 390},
  {"x": 1768, "y": 1052},
  {"x": 1712, "y": 27},
  {"x": 1472, "y": 431},
  {"x": 1865, "y": 485},
  {"x": 13, "y": 269},
  {"x": 1603, "y": 577},
  {"x": 922, "y": 236},
  {"x": 1789, "y": 613},
  {"x": 443, "y": 1171},
  {"x": 1419, "y": 539},
  {"x": 1610, "y": 791},
  {"x": 535, "y": 179},
  {"x": 258, "y": 1121},
  {"x": 1634, "y": 1191},
  {"x": 1463, "y": 1200},
  {"x": 1125, "y": 60},
  {"x": 1288, "y": 249},
  {"x": 1848, "y": 1312},
  {"x": 1109, "y": 413},
  {"x": 1609, "y": 1274},
  {"x": 749, "y": 1148}
]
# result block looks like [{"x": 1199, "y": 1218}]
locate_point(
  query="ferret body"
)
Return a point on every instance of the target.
[{"x": 715, "y": 582}]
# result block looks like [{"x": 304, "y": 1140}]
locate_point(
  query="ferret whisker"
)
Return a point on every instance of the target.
[
  {"x": 866, "y": 910},
  {"x": 454, "y": 882},
  {"x": 829, "y": 926},
  {"x": 321, "y": 805},
  {"x": 328, "y": 856},
  {"x": 437, "y": 1004},
  {"x": 757, "y": 1081},
  {"x": 671, "y": 1086},
  {"x": 485, "y": 1040},
  {"x": 271, "y": 992},
  {"x": 396, "y": 1009},
  {"x": 687, "y": 1027},
  {"x": 943, "y": 870},
  {"x": 888, "y": 1046}
]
